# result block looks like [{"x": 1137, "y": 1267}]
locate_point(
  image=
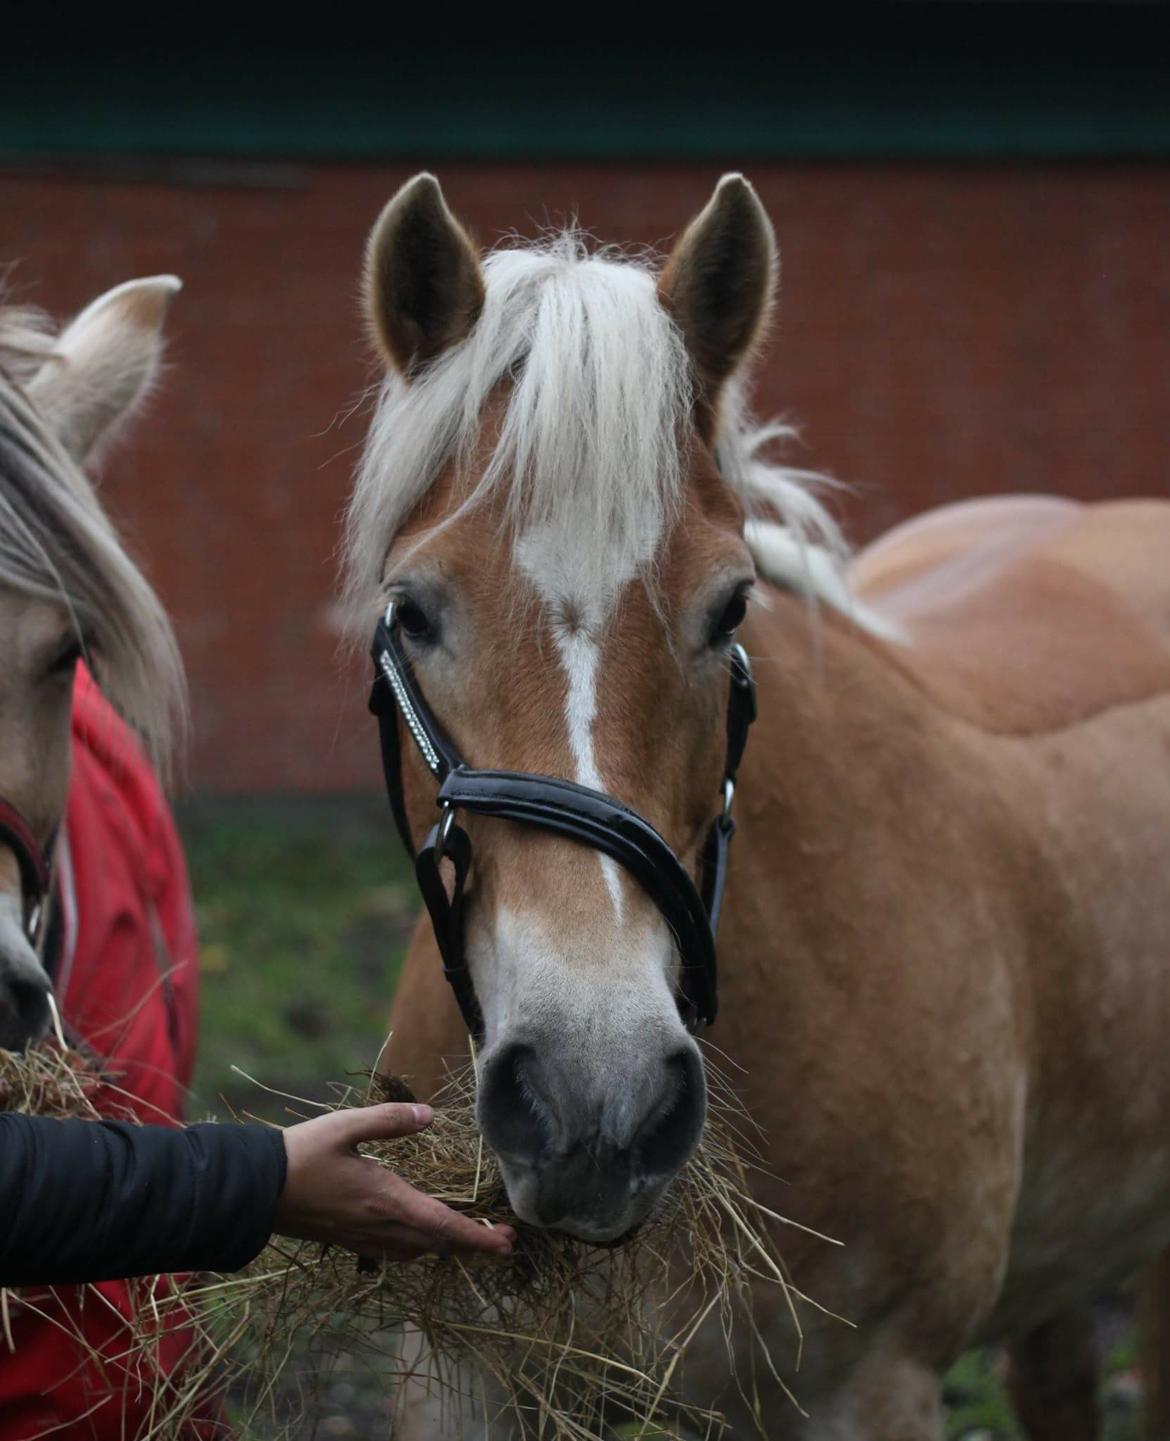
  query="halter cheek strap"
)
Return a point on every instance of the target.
[
  {"x": 32, "y": 863},
  {"x": 563, "y": 808}
]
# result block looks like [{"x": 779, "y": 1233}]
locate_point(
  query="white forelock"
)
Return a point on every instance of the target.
[{"x": 589, "y": 457}]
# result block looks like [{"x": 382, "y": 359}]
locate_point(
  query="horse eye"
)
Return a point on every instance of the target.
[
  {"x": 730, "y": 618},
  {"x": 66, "y": 662},
  {"x": 413, "y": 621}
]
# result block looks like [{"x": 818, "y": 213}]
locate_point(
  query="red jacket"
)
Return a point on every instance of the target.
[{"x": 128, "y": 979}]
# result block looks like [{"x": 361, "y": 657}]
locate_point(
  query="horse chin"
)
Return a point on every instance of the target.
[
  {"x": 22, "y": 1023},
  {"x": 18, "y": 1030},
  {"x": 615, "y": 1243},
  {"x": 611, "y": 1230},
  {"x": 608, "y": 1237}
]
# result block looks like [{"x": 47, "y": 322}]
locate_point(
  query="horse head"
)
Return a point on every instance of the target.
[
  {"x": 553, "y": 502},
  {"x": 67, "y": 589}
]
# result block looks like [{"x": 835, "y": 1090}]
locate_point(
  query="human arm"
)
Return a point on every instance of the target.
[{"x": 97, "y": 1200}]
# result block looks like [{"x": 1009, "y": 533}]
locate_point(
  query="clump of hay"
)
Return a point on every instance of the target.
[
  {"x": 64, "y": 1079},
  {"x": 563, "y": 1341},
  {"x": 52, "y": 1079}
]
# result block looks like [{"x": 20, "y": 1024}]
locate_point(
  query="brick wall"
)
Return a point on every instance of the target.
[{"x": 943, "y": 331}]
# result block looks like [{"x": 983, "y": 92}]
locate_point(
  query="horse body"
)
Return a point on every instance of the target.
[
  {"x": 944, "y": 940},
  {"x": 945, "y": 980},
  {"x": 1067, "y": 653},
  {"x": 966, "y": 939}
]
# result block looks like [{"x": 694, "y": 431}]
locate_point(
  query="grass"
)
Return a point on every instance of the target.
[
  {"x": 305, "y": 908},
  {"x": 978, "y": 1406},
  {"x": 977, "y": 1402},
  {"x": 304, "y": 913}
]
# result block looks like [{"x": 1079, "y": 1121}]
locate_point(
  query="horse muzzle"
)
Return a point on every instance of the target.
[
  {"x": 590, "y": 1154},
  {"x": 24, "y": 987}
]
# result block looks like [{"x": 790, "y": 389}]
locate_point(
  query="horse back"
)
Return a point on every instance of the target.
[
  {"x": 1044, "y": 627},
  {"x": 1027, "y": 614}
]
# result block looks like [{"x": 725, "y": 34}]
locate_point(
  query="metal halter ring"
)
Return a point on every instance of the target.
[
  {"x": 728, "y": 797},
  {"x": 445, "y": 828}
]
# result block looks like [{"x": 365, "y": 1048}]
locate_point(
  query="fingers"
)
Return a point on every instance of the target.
[
  {"x": 445, "y": 1227},
  {"x": 335, "y": 1195},
  {"x": 384, "y": 1122},
  {"x": 467, "y": 1236},
  {"x": 442, "y": 1228},
  {"x": 406, "y": 1243},
  {"x": 399, "y": 1255}
]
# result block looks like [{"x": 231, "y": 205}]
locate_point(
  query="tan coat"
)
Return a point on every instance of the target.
[{"x": 945, "y": 955}]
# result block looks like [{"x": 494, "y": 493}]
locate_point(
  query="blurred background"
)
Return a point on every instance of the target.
[
  {"x": 972, "y": 203},
  {"x": 973, "y": 207}
]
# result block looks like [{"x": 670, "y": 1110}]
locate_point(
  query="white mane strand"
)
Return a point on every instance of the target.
[{"x": 57, "y": 545}]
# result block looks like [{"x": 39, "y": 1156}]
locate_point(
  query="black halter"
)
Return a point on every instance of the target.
[
  {"x": 33, "y": 864},
  {"x": 560, "y": 806}
]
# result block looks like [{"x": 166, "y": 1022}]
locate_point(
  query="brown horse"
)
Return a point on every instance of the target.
[{"x": 945, "y": 946}]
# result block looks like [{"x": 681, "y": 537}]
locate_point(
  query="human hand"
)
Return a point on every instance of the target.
[{"x": 334, "y": 1195}]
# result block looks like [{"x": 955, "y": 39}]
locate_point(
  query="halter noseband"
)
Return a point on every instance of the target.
[
  {"x": 564, "y": 808},
  {"x": 31, "y": 861}
]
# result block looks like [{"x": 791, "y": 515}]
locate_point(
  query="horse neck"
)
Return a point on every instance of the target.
[
  {"x": 841, "y": 729},
  {"x": 852, "y": 779},
  {"x": 864, "y": 821}
]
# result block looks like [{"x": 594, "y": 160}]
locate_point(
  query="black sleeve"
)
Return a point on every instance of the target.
[{"x": 99, "y": 1200}]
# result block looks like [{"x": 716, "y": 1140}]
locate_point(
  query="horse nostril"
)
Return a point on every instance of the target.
[
  {"x": 512, "y": 1111},
  {"x": 27, "y": 1012},
  {"x": 32, "y": 1004},
  {"x": 669, "y": 1135}
]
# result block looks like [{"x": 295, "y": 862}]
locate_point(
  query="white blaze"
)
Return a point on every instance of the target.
[
  {"x": 562, "y": 565},
  {"x": 580, "y": 656}
]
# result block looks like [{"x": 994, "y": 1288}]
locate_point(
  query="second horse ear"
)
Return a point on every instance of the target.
[
  {"x": 423, "y": 282},
  {"x": 718, "y": 285},
  {"x": 104, "y": 363}
]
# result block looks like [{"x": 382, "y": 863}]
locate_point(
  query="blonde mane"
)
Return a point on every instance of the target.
[
  {"x": 590, "y": 445},
  {"x": 57, "y": 544}
]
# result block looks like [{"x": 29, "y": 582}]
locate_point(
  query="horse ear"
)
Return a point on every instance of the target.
[
  {"x": 103, "y": 363},
  {"x": 423, "y": 283},
  {"x": 719, "y": 281}
]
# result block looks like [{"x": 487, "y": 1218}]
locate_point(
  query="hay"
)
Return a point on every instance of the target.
[
  {"x": 52, "y": 1079},
  {"x": 64, "y": 1079},
  {"x": 561, "y": 1342}
]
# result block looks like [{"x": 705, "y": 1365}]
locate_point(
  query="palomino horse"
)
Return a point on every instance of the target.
[
  {"x": 945, "y": 944},
  {"x": 66, "y": 588}
]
